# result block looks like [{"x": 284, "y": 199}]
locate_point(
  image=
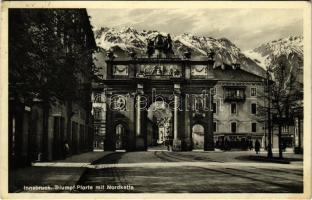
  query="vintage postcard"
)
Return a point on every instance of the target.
[{"x": 155, "y": 100}]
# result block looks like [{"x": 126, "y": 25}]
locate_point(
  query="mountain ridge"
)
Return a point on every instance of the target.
[
  {"x": 265, "y": 53},
  {"x": 126, "y": 39},
  {"x": 288, "y": 51}
]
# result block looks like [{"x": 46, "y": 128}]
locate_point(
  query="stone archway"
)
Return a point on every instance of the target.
[{"x": 201, "y": 133}]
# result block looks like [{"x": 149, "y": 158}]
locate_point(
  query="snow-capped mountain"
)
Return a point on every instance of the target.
[
  {"x": 124, "y": 40},
  {"x": 287, "y": 50},
  {"x": 289, "y": 46}
]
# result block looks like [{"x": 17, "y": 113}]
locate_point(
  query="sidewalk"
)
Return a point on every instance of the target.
[
  {"x": 50, "y": 176},
  {"x": 286, "y": 154}
]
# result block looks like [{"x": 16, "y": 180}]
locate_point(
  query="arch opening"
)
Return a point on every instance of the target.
[
  {"x": 159, "y": 126},
  {"x": 198, "y": 131},
  {"x": 121, "y": 133}
]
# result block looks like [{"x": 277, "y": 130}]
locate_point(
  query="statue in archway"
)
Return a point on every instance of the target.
[
  {"x": 161, "y": 45},
  {"x": 150, "y": 48},
  {"x": 211, "y": 54},
  {"x": 159, "y": 42},
  {"x": 168, "y": 46}
]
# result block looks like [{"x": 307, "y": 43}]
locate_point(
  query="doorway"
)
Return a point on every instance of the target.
[{"x": 120, "y": 131}]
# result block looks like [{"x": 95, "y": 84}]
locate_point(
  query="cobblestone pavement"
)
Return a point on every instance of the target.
[{"x": 195, "y": 172}]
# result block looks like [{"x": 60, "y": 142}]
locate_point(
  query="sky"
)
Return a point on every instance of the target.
[{"x": 246, "y": 28}]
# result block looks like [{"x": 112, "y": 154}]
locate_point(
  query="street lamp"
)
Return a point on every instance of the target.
[{"x": 270, "y": 155}]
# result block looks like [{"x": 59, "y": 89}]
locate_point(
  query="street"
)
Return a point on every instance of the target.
[{"x": 194, "y": 172}]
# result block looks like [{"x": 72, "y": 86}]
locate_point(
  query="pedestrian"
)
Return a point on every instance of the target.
[
  {"x": 65, "y": 149},
  {"x": 257, "y": 146},
  {"x": 167, "y": 143},
  {"x": 226, "y": 144},
  {"x": 284, "y": 146},
  {"x": 250, "y": 145}
]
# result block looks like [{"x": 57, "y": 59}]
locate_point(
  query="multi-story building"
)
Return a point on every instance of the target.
[
  {"x": 42, "y": 120},
  {"x": 237, "y": 98}
]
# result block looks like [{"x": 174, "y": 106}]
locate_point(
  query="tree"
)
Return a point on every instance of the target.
[
  {"x": 49, "y": 58},
  {"x": 284, "y": 96},
  {"x": 45, "y": 55}
]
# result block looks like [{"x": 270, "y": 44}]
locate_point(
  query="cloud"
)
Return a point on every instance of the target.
[{"x": 247, "y": 28}]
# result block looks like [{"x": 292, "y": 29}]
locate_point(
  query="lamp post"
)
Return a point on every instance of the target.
[{"x": 270, "y": 155}]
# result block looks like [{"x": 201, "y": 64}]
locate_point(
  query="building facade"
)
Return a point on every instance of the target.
[
  {"x": 238, "y": 96},
  {"x": 41, "y": 122}
]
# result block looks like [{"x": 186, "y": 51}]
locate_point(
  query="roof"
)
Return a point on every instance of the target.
[
  {"x": 222, "y": 73},
  {"x": 229, "y": 74},
  {"x": 89, "y": 28}
]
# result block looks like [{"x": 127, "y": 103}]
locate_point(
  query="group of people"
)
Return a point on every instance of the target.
[{"x": 242, "y": 144}]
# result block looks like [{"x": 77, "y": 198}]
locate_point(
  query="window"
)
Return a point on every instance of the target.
[
  {"x": 233, "y": 127},
  {"x": 199, "y": 103},
  {"x": 234, "y": 94},
  {"x": 73, "y": 16},
  {"x": 253, "y": 127},
  {"x": 214, "y": 107},
  {"x": 96, "y": 130},
  {"x": 97, "y": 113},
  {"x": 233, "y": 108},
  {"x": 119, "y": 130},
  {"x": 62, "y": 38},
  {"x": 253, "y": 108},
  {"x": 98, "y": 97},
  {"x": 214, "y": 126},
  {"x": 285, "y": 129},
  {"x": 213, "y": 91},
  {"x": 253, "y": 92},
  {"x": 238, "y": 93}
]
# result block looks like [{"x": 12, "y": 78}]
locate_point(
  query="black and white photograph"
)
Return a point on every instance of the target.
[{"x": 157, "y": 98}]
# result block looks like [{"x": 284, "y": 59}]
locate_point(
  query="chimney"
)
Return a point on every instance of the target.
[
  {"x": 236, "y": 66},
  {"x": 133, "y": 54}
]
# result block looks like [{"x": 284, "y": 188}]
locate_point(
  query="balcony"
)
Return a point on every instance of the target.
[{"x": 234, "y": 94}]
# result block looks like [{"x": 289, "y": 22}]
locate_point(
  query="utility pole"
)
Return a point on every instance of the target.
[{"x": 270, "y": 154}]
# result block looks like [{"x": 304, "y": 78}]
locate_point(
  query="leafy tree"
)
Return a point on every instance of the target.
[{"x": 49, "y": 58}]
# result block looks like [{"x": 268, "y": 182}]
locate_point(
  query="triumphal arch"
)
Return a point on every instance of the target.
[{"x": 158, "y": 99}]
